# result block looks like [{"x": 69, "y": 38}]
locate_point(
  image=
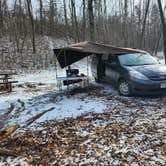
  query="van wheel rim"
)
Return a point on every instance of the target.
[{"x": 124, "y": 88}]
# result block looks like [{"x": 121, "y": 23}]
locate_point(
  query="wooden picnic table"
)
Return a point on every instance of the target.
[{"x": 6, "y": 81}]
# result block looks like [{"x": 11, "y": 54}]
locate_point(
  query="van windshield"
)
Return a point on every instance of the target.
[{"x": 137, "y": 59}]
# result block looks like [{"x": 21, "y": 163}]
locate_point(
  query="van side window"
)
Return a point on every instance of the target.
[
  {"x": 112, "y": 59},
  {"x": 105, "y": 57}
]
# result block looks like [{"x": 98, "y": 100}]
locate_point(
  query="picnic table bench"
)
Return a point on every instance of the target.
[{"x": 6, "y": 81}]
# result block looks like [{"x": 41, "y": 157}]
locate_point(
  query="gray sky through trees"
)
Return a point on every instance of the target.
[{"x": 78, "y": 2}]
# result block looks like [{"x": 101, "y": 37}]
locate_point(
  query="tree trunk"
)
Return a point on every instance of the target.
[
  {"x": 41, "y": 16},
  {"x": 84, "y": 19},
  {"x": 1, "y": 19},
  {"x": 144, "y": 24},
  {"x": 125, "y": 22},
  {"x": 91, "y": 20},
  {"x": 163, "y": 26},
  {"x": 51, "y": 18},
  {"x": 29, "y": 6},
  {"x": 66, "y": 19},
  {"x": 74, "y": 21}
]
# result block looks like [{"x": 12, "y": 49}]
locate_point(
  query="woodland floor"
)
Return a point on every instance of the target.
[
  {"x": 114, "y": 131},
  {"x": 90, "y": 125}
]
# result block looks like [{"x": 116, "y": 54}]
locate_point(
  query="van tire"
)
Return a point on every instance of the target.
[{"x": 124, "y": 88}]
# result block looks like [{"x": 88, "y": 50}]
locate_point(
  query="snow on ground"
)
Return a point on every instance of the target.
[
  {"x": 49, "y": 76},
  {"x": 63, "y": 109},
  {"x": 33, "y": 93},
  {"x": 112, "y": 130},
  {"x": 35, "y": 84},
  {"x": 85, "y": 125},
  {"x": 54, "y": 108}
]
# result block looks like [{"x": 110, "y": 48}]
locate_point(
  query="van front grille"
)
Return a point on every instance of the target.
[{"x": 158, "y": 78}]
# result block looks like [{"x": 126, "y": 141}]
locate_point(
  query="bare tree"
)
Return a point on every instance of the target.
[
  {"x": 144, "y": 23},
  {"x": 125, "y": 22},
  {"x": 52, "y": 17},
  {"x": 41, "y": 16},
  {"x": 84, "y": 19},
  {"x": 66, "y": 19},
  {"x": 91, "y": 20},
  {"x": 1, "y": 19},
  {"x": 3, "y": 16},
  {"x": 118, "y": 22},
  {"x": 30, "y": 12},
  {"x": 74, "y": 21},
  {"x": 163, "y": 26}
]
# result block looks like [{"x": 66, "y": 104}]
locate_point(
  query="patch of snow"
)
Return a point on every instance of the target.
[
  {"x": 161, "y": 161},
  {"x": 49, "y": 76},
  {"x": 73, "y": 107},
  {"x": 14, "y": 162},
  {"x": 3, "y": 107},
  {"x": 45, "y": 77}
]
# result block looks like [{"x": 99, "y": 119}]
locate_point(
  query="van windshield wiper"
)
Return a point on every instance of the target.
[
  {"x": 129, "y": 65},
  {"x": 149, "y": 64}
]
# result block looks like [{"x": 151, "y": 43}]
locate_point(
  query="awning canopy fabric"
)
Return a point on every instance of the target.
[{"x": 75, "y": 52}]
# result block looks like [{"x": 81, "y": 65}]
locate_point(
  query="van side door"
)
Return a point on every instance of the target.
[{"x": 112, "y": 68}]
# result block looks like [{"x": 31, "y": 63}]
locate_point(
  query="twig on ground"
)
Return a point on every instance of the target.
[{"x": 30, "y": 121}]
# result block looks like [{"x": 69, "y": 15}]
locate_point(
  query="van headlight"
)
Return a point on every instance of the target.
[{"x": 137, "y": 75}]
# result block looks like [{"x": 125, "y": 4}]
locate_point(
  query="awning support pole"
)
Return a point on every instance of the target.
[{"x": 87, "y": 69}]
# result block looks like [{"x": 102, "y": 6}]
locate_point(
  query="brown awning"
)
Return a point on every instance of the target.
[{"x": 75, "y": 52}]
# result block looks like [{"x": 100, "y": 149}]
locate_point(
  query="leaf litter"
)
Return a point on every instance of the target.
[{"x": 128, "y": 131}]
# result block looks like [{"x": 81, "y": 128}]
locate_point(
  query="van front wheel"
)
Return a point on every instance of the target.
[{"x": 124, "y": 88}]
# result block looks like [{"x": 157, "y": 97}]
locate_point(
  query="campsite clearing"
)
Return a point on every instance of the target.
[{"x": 92, "y": 125}]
